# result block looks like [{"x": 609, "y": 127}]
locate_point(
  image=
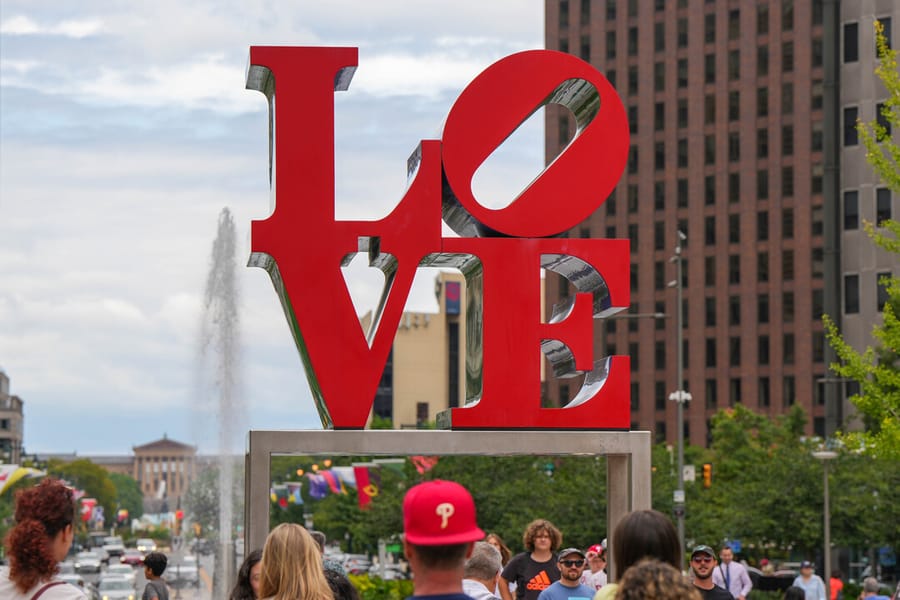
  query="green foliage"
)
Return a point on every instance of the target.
[
  {"x": 128, "y": 493},
  {"x": 93, "y": 479},
  {"x": 202, "y": 500},
  {"x": 881, "y": 152},
  {"x": 375, "y": 588}
]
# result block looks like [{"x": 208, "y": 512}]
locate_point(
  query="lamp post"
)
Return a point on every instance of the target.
[
  {"x": 825, "y": 456},
  {"x": 679, "y": 396}
]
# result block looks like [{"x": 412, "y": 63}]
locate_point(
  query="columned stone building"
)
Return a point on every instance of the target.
[{"x": 164, "y": 470}]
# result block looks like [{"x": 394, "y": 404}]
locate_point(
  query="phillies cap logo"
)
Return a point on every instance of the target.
[{"x": 444, "y": 510}]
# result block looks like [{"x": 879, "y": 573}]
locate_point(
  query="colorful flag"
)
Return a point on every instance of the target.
[
  {"x": 294, "y": 496},
  {"x": 368, "y": 483},
  {"x": 87, "y": 508},
  {"x": 334, "y": 484},
  {"x": 346, "y": 475},
  {"x": 281, "y": 496},
  {"x": 318, "y": 487},
  {"x": 423, "y": 464}
]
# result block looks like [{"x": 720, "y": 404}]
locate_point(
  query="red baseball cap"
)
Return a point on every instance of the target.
[{"x": 439, "y": 512}]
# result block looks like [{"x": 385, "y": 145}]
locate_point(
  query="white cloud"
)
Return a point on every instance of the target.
[{"x": 73, "y": 28}]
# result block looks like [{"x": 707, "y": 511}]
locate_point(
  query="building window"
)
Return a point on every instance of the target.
[
  {"x": 882, "y": 205},
  {"x": 734, "y": 268},
  {"x": 787, "y": 57},
  {"x": 585, "y": 50},
  {"x": 709, "y": 109},
  {"x": 762, "y": 225},
  {"x": 659, "y": 236},
  {"x": 610, "y": 10},
  {"x": 635, "y": 356},
  {"x": 787, "y": 223},
  {"x": 787, "y": 15},
  {"x": 762, "y": 308},
  {"x": 734, "y": 187},
  {"x": 818, "y": 262},
  {"x": 762, "y": 61},
  {"x": 711, "y": 394},
  {"x": 682, "y": 68},
  {"x": 633, "y": 119},
  {"x": 734, "y": 391},
  {"x": 682, "y": 113},
  {"x": 633, "y": 160},
  {"x": 659, "y": 356},
  {"x": 734, "y": 351},
  {"x": 851, "y": 210},
  {"x": 632, "y": 8},
  {"x": 734, "y": 146},
  {"x": 682, "y": 153},
  {"x": 881, "y": 292},
  {"x": 790, "y": 390},
  {"x": 632, "y": 81},
  {"x": 682, "y": 33},
  {"x": 818, "y": 346},
  {"x": 710, "y": 352},
  {"x": 611, "y": 45},
  {"x": 659, "y": 195},
  {"x": 659, "y": 77},
  {"x": 787, "y": 98},
  {"x": 787, "y": 348},
  {"x": 762, "y": 102},
  {"x": 632, "y": 41},
  {"x": 659, "y": 116},
  {"x": 734, "y": 24},
  {"x": 682, "y": 187},
  {"x": 762, "y": 19},
  {"x": 886, "y": 23},
  {"x": 660, "y": 395},
  {"x": 787, "y": 181},
  {"x": 709, "y": 274},
  {"x": 709, "y": 149},
  {"x": 659, "y": 36},
  {"x": 762, "y": 350},
  {"x": 659, "y": 156},
  {"x": 762, "y": 184},
  {"x": 762, "y": 267},
  {"x": 818, "y": 52},
  {"x": 817, "y": 139},
  {"x": 734, "y": 310},
  {"x": 787, "y": 140},
  {"x": 632, "y": 199},
  {"x": 851, "y": 136},
  {"x": 734, "y": 65},
  {"x": 709, "y": 68},
  {"x": 709, "y": 28},
  {"x": 709, "y": 230},
  {"x": 882, "y": 121},
  {"x": 787, "y": 307},
  {"x": 709, "y": 190},
  {"x": 787, "y": 265},
  {"x": 851, "y": 294},
  {"x": 710, "y": 312},
  {"x": 734, "y": 105},
  {"x": 762, "y": 143},
  {"x": 765, "y": 393},
  {"x": 585, "y": 16},
  {"x": 818, "y": 94},
  {"x": 734, "y": 229}
]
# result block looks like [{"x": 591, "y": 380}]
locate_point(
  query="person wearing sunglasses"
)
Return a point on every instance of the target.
[
  {"x": 571, "y": 563},
  {"x": 703, "y": 562}
]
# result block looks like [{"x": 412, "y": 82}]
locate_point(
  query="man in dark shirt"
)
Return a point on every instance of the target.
[
  {"x": 703, "y": 562},
  {"x": 439, "y": 532}
]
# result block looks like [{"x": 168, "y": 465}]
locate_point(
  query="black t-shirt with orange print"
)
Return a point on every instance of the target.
[{"x": 531, "y": 577}]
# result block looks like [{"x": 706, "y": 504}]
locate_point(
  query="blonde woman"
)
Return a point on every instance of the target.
[{"x": 292, "y": 566}]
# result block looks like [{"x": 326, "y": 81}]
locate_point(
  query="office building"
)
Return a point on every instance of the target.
[{"x": 741, "y": 115}]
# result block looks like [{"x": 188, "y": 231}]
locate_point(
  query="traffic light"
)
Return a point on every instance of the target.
[{"x": 707, "y": 475}]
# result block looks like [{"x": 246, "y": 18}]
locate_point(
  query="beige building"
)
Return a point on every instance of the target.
[
  {"x": 11, "y": 423},
  {"x": 164, "y": 469},
  {"x": 425, "y": 372}
]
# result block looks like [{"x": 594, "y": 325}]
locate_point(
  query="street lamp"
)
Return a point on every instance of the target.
[
  {"x": 825, "y": 456},
  {"x": 679, "y": 396}
]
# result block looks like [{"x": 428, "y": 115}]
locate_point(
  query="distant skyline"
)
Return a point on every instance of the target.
[{"x": 124, "y": 131}]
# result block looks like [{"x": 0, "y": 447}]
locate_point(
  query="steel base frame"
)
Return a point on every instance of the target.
[{"x": 627, "y": 460}]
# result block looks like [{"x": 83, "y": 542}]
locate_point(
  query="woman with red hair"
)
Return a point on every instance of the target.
[{"x": 37, "y": 542}]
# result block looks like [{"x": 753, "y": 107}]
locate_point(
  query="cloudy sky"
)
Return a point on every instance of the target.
[{"x": 125, "y": 129}]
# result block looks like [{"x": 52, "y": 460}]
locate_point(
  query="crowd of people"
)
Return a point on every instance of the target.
[{"x": 449, "y": 556}]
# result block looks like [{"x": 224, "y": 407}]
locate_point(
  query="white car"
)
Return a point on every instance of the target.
[
  {"x": 185, "y": 572},
  {"x": 145, "y": 545},
  {"x": 87, "y": 562},
  {"x": 116, "y": 588},
  {"x": 120, "y": 570}
]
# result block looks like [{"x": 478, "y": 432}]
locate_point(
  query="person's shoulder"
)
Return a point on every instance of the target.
[
  {"x": 607, "y": 592},
  {"x": 62, "y": 590}
]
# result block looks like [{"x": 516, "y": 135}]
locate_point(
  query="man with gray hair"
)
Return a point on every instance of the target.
[
  {"x": 870, "y": 590},
  {"x": 481, "y": 572}
]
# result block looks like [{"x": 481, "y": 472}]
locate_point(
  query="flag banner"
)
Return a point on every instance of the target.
[
  {"x": 318, "y": 487},
  {"x": 368, "y": 483},
  {"x": 293, "y": 489},
  {"x": 280, "y": 493},
  {"x": 87, "y": 508},
  {"x": 346, "y": 475},
  {"x": 423, "y": 464},
  {"x": 334, "y": 484}
]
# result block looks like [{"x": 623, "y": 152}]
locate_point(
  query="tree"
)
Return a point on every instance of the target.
[
  {"x": 93, "y": 479},
  {"x": 203, "y": 497},
  {"x": 128, "y": 493},
  {"x": 878, "y": 369}
]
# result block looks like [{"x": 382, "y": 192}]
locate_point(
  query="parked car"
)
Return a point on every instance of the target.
[
  {"x": 145, "y": 545},
  {"x": 113, "y": 547},
  {"x": 132, "y": 557},
  {"x": 87, "y": 562}
]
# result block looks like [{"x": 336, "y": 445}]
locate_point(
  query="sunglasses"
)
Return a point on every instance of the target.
[
  {"x": 572, "y": 563},
  {"x": 703, "y": 559}
]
